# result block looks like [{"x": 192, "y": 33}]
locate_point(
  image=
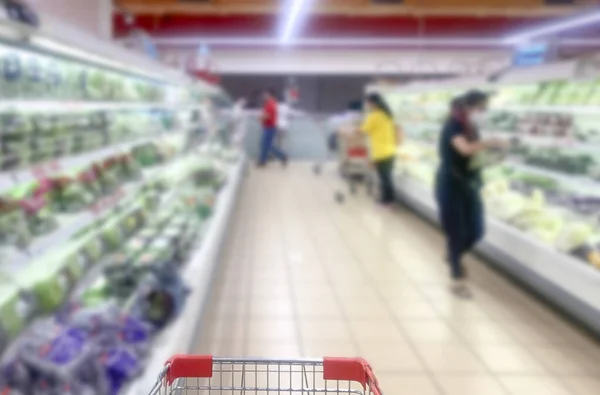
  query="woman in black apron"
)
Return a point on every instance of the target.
[{"x": 458, "y": 185}]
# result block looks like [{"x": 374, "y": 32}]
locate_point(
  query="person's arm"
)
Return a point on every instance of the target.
[
  {"x": 470, "y": 148},
  {"x": 368, "y": 126}
]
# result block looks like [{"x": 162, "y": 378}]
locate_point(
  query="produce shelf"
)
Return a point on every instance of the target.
[
  {"x": 576, "y": 182},
  {"x": 563, "y": 280},
  {"x": 10, "y": 179},
  {"x": 552, "y": 109},
  {"x": 180, "y": 336},
  {"x": 71, "y": 224}
]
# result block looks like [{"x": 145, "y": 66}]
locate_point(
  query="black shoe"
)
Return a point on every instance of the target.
[{"x": 461, "y": 291}]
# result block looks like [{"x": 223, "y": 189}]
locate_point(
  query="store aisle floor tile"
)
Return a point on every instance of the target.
[{"x": 304, "y": 276}]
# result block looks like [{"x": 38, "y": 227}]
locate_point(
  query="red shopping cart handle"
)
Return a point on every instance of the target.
[
  {"x": 346, "y": 369},
  {"x": 182, "y": 366},
  {"x": 351, "y": 369}
]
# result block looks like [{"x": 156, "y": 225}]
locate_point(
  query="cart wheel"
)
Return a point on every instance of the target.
[
  {"x": 317, "y": 169},
  {"x": 339, "y": 197},
  {"x": 370, "y": 187},
  {"x": 353, "y": 187}
]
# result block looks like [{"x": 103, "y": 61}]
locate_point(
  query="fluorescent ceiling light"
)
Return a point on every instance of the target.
[
  {"x": 330, "y": 42},
  {"x": 293, "y": 14},
  {"x": 556, "y": 27}
]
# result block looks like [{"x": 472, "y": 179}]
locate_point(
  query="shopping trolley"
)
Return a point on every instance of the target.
[
  {"x": 352, "y": 157},
  {"x": 204, "y": 374},
  {"x": 353, "y": 160}
]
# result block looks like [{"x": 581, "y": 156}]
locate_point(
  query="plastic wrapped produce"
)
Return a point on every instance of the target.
[
  {"x": 163, "y": 294},
  {"x": 67, "y": 361},
  {"x": 112, "y": 237},
  {"x": 121, "y": 364},
  {"x": 14, "y": 230},
  {"x": 12, "y": 73},
  {"x": 573, "y": 235},
  {"x": 38, "y": 214},
  {"x": 68, "y": 195},
  {"x": 12, "y": 314},
  {"x": 48, "y": 283}
]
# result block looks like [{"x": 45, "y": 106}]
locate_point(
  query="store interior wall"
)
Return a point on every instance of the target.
[
  {"x": 92, "y": 16},
  {"x": 322, "y": 94}
]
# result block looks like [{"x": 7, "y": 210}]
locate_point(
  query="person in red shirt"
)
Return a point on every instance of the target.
[{"x": 269, "y": 121}]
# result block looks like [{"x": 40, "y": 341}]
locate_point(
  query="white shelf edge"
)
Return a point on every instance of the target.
[
  {"x": 179, "y": 337},
  {"x": 83, "y": 105}
]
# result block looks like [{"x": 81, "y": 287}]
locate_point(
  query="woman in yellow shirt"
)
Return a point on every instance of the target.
[{"x": 380, "y": 128}]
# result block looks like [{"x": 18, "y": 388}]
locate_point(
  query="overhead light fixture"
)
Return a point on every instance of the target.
[
  {"x": 295, "y": 11},
  {"x": 556, "y": 27}
]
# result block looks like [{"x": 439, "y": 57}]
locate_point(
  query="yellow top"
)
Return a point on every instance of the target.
[{"x": 382, "y": 134}]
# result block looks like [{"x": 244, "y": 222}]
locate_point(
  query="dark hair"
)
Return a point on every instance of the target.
[
  {"x": 355, "y": 105},
  {"x": 474, "y": 98},
  {"x": 378, "y": 101}
]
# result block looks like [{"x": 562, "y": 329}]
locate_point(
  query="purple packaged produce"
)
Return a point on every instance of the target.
[{"x": 121, "y": 364}]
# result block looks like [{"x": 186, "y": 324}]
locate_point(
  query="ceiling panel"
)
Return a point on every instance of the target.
[
  {"x": 342, "y": 18},
  {"x": 326, "y": 26},
  {"x": 354, "y": 7}
]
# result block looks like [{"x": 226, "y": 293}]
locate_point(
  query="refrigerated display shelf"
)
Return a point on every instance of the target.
[
  {"x": 10, "y": 179},
  {"x": 575, "y": 182},
  {"x": 560, "y": 278},
  {"x": 552, "y": 109},
  {"x": 70, "y": 225},
  {"x": 180, "y": 336}
]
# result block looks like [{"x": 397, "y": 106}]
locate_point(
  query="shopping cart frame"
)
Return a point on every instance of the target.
[{"x": 195, "y": 374}]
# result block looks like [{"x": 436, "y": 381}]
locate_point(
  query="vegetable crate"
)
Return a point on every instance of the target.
[{"x": 202, "y": 374}]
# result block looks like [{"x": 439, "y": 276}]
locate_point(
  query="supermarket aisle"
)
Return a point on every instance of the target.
[
  {"x": 304, "y": 276},
  {"x": 305, "y": 140}
]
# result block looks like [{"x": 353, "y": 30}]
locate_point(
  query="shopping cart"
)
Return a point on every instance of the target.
[
  {"x": 353, "y": 160},
  {"x": 352, "y": 156},
  {"x": 202, "y": 374}
]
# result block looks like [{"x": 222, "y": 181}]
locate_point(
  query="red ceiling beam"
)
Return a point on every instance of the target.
[{"x": 326, "y": 26}]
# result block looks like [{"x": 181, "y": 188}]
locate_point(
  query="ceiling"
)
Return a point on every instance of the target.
[{"x": 230, "y": 19}]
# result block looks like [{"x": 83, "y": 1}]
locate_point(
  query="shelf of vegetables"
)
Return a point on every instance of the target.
[
  {"x": 108, "y": 179},
  {"x": 543, "y": 200},
  {"x": 180, "y": 337},
  {"x": 116, "y": 285}
]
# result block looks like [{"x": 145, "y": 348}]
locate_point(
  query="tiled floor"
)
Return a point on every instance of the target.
[{"x": 302, "y": 275}]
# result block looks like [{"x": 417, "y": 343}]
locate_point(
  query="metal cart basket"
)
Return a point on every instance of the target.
[
  {"x": 203, "y": 374},
  {"x": 353, "y": 158}
]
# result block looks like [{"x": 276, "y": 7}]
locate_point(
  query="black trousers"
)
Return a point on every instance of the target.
[
  {"x": 385, "y": 168},
  {"x": 461, "y": 216}
]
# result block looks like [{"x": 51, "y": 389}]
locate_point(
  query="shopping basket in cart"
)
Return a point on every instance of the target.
[
  {"x": 202, "y": 374},
  {"x": 354, "y": 163}
]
